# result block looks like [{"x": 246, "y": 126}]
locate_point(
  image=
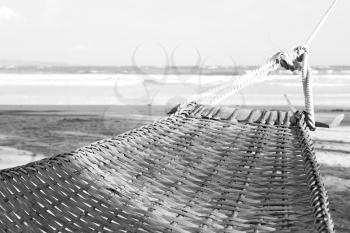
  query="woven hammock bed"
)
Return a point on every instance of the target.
[{"x": 201, "y": 169}]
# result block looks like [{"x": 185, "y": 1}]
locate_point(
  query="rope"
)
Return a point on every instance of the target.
[
  {"x": 308, "y": 96},
  {"x": 212, "y": 97},
  {"x": 320, "y": 24},
  {"x": 297, "y": 59},
  {"x": 255, "y": 76}
]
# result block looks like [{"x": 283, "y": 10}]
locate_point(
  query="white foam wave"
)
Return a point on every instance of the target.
[
  {"x": 132, "y": 79},
  {"x": 294, "y": 84}
]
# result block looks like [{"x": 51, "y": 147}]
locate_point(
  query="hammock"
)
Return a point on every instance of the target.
[{"x": 204, "y": 168}]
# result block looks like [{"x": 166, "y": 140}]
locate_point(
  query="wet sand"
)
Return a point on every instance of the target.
[{"x": 30, "y": 133}]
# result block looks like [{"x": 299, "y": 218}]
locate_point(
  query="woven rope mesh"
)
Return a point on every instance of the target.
[{"x": 203, "y": 169}]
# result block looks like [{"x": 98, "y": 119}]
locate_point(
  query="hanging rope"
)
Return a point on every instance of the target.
[
  {"x": 308, "y": 95},
  {"x": 255, "y": 76},
  {"x": 228, "y": 89},
  {"x": 297, "y": 59},
  {"x": 320, "y": 24}
]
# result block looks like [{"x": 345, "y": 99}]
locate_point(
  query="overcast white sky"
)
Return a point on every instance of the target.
[{"x": 107, "y": 32}]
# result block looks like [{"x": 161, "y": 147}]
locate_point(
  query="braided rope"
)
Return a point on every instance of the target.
[
  {"x": 308, "y": 95},
  {"x": 212, "y": 97},
  {"x": 296, "y": 59},
  {"x": 255, "y": 76},
  {"x": 299, "y": 60}
]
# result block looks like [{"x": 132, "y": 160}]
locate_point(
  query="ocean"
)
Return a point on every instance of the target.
[{"x": 330, "y": 91}]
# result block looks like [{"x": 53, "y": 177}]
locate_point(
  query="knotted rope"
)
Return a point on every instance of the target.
[
  {"x": 226, "y": 89},
  {"x": 296, "y": 60}
]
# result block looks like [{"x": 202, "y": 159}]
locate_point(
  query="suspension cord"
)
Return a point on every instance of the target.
[
  {"x": 297, "y": 59},
  {"x": 320, "y": 24}
]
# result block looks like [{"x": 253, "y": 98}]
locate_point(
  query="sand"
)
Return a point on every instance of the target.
[
  {"x": 11, "y": 157},
  {"x": 32, "y": 132},
  {"x": 333, "y": 146},
  {"x": 35, "y": 121}
]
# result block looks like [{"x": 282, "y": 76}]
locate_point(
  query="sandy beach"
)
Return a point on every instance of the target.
[
  {"x": 73, "y": 73},
  {"x": 31, "y": 134},
  {"x": 43, "y": 117}
]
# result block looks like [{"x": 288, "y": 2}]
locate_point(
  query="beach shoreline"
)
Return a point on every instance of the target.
[{"x": 30, "y": 133}]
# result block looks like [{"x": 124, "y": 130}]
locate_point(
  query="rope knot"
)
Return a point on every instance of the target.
[
  {"x": 293, "y": 60},
  {"x": 297, "y": 59}
]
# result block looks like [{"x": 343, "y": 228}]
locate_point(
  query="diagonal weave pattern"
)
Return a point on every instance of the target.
[{"x": 202, "y": 169}]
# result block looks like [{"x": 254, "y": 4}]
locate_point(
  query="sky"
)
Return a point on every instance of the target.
[{"x": 163, "y": 32}]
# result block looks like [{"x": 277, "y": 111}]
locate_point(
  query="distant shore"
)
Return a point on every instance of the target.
[
  {"x": 131, "y": 89},
  {"x": 47, "y": 68}
]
